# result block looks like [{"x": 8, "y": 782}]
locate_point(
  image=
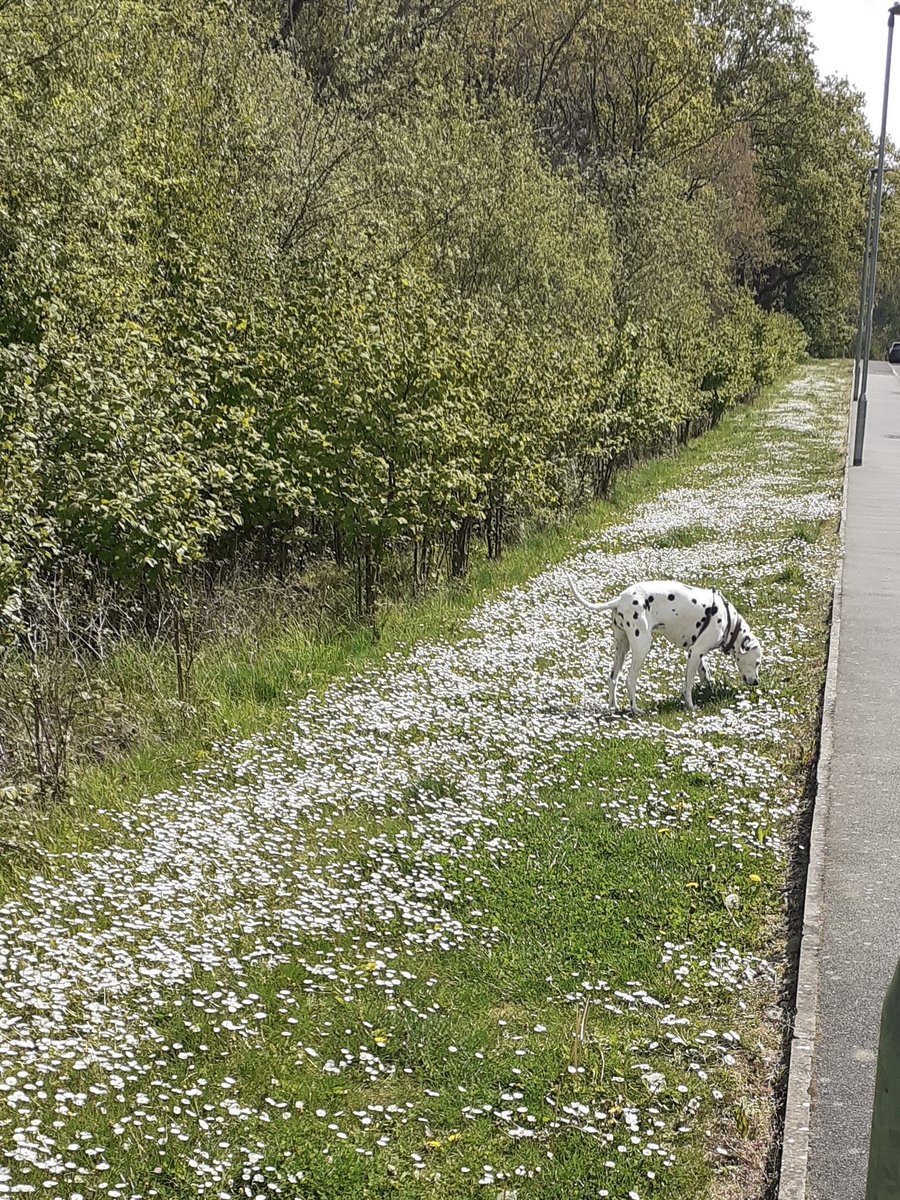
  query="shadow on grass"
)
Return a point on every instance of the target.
[{"x": 706, "y": 696}]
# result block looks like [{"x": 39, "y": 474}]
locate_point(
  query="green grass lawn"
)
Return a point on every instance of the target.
[{"x": 446, "y": 927}]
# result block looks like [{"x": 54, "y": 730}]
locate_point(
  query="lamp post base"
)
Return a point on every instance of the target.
[{"x": 860, "y": 432}]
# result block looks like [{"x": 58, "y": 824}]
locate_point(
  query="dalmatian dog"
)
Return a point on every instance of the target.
[{"x": 698, "y": 620}]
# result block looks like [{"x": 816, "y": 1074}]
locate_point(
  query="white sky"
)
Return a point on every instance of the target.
[{"x": 851, "y": 40}]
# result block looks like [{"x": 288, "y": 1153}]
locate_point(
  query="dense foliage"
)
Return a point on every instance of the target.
[{"x": 373, "y": 279}]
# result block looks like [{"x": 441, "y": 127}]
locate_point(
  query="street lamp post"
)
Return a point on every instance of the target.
[
  {"x": 863, "y": 289},
  {"x": 870, "y": 300}
]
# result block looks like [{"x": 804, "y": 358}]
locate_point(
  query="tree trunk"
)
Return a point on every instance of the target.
[
  {"x": 494, "y": 529},
  {"x": 372, "y": 573},
  {"x": 459, "y": 548}
]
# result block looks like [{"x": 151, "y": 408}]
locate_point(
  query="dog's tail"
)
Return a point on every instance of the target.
[{"x": 587, "y": 603}]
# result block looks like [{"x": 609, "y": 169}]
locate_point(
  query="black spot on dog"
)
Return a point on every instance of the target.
[
  {"x": 693, "y": 601},
  {"x": 693, "y": 639},
  {"x": 650, "y": 599},
  {"x": 699, "y": 623},
  {"x": 634, "y": 602},
  {"x": 647, "y": 605},
  {"x": 671, "y": 595},
  {"x": 637, "y": 632}
]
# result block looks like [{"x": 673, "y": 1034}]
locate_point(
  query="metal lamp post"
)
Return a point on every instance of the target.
[
  {"x": 863, "y": 288},
  {"x": 870, "y": 300}
]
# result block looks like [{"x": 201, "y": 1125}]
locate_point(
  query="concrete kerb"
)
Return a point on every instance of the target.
[{"x": 792, "y": 1178}]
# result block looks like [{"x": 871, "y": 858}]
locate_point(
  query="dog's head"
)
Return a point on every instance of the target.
[{"x": 748, "y": 653}]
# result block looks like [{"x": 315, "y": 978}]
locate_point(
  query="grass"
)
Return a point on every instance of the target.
[
  {"x": 808, "y": 531},
  {"x": 547, "y": 944},
  {"x": 789, "y": 574},
  {"x": 682, "y": 537}
]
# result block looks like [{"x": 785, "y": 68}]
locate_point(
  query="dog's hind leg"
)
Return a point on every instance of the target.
[
  {"x": 618, "y": 662},
  {"x": 704, "y": 674}
]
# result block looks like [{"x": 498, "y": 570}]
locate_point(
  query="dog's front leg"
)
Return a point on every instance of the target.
[
  {"x": 704, "y": 674},
  {"x": 695, "y": 660}
]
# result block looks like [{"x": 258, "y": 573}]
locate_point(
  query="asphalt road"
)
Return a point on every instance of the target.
[{"x": 860, "y": 881}]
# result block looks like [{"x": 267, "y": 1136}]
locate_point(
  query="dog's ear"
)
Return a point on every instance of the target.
[{"x": 746, "y": 642}]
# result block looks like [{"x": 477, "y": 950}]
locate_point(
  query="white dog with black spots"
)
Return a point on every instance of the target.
[{"x": 698, "y": 620}]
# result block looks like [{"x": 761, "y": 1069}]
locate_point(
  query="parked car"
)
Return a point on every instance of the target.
[{"x": 893, "y": 355}]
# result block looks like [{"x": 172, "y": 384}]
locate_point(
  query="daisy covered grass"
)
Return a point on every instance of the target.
[{"x": 453, "y": 929}]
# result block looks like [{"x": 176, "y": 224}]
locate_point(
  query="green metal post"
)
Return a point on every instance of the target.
[{"x": 883, "y": 1180}]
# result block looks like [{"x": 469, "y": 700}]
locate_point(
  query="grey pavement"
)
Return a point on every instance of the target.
[{"x": 859, "y": 872}]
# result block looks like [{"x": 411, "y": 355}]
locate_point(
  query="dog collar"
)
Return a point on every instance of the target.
[{"x": 729, "y": 638}]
